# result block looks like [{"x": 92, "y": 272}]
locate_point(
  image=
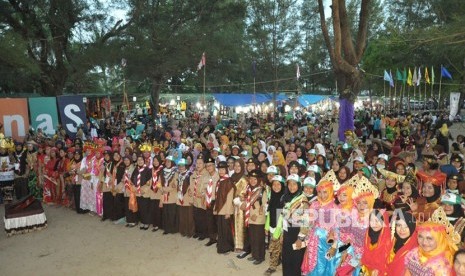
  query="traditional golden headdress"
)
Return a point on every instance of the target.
[
  {"x": 6, "y": 143},
  {"x": 388, "y": 174},
  {"x": 362, "y": 185},
  {"x": 331, "y": 176},
  {"x": 439, "y": 216}
]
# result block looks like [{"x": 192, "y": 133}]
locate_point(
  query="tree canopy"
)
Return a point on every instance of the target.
[{"x": 51, "y": 47}]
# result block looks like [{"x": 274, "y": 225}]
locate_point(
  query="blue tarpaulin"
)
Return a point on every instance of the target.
[
  {"x": 306, "y": 100},
  {"x": 246, "y": 99}
]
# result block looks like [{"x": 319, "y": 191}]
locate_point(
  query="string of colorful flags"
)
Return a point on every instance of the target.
[{"x": 406, "y": 77}]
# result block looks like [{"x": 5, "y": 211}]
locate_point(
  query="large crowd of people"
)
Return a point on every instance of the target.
[{"x": 386, "y": 201}]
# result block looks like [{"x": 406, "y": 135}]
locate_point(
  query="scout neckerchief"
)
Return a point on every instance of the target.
[
  {"x": 167, "y": 175},
  {"x": 155, "y": 177},
  {"x": 127, "y": 183},
  {"x": 196, "y": 182},
  {"x": 249, "y": 202},
  {"x": 138, "y": 179},
  {"x": 108, "y": 174},
  {"x": 181, "y": 177},
  {"x": 209, "y": 194}
]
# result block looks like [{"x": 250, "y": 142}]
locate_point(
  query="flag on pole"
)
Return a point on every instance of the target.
[
  {"x": 427, "y": 76},
  {"x": 202, "y": 62},
  {"x": 398, "y": 75},
  {"x": 432, "y": 75},
  {"x": 415, "y": 78},
  {"x": 391, "y": 80},
  {"x": 386, "y": 76},
  {"x": 445, "y": 73},
  {"x": 298, "y": 72},
  {"x": 409, "y": 78},
  {"x": 419, "y": 76},
  {"x": 404, "y": 76}
]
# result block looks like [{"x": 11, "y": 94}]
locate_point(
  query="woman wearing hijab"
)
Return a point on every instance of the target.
[
  {"x": 434, "y": 253},
  {"x": 405, "y": 239},
  {"x": 184, "y": 202},
  {"x": 290, "y": 156},
  {"x": 224, "y": 210},
  {"x": 377, "y": 244},
  {"x": 118, "y": 171},
  {"x": 76, "y": 177},
  {"x": 141, "y": 180},
  {"x": 50, "y": 174},
  {"x": 270, "y": 153},
  {"x": 431, "y": 188},
  {"x": 254, "y": 216},
  {"x": 300, "y": 152},
  {"x": 451, "y": 203},
  {"x": 155, "y": 192},
  {"x": 271, "y": 227},
  {"x": 107, "y": 185},
  {"x": 390, "y": 192},
  {"x": 352, "y": 237},
  {"x": 130, "y": 213},
  {"x": 240, "y": 184},
  {"x": 315, "y": 262},
  {"x": 320, "y": 149},
  {"x": 168, "y": 182},
  {"x": 408, "y": 193},
  {"x": 295, "y": 203},
  {"x": 278, "y": 159}
]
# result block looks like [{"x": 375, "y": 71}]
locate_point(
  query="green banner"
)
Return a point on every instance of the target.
[{"x": 44, "y": 114}]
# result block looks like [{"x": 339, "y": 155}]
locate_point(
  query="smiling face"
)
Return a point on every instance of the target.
[
  {"x": 292, "y": 186},
  {"x": 426, "y": 241},
  {"x": 428, "y": 190},
  {"x": 448, "y": 209},
  {"x": 276, "y": 186},
  {"x": 323, "y": 195},
  {"x": 406, "y": 189},
  {"x": 140, "y": 161},
  {"x": 342, "y": 197},
  {"x": 402, "y": 229}
]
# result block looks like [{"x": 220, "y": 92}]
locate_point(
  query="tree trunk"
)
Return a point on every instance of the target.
[
  {"x": 155, "y": 96},
  {"x": 349, "y": 86}
]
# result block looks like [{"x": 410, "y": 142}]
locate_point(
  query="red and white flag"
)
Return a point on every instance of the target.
[
  {"x": 298, "y": 72},
  {"x": 202, "y": 62}
]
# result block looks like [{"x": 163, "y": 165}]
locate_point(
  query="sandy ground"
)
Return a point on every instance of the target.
[{"x": 75, "y": 244}]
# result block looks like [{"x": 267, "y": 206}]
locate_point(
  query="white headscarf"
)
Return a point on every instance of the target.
[{"x": 320, "y": 149}]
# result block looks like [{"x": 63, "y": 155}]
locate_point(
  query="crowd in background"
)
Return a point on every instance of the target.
[{"x": 386, "y": 201}]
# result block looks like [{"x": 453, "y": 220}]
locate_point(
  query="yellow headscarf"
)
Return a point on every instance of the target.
[
  {"x": 444, "y": 130},
  {"x": 438, "y": 232},
  {"x": 369, "y": 197},
  {"x": 278, "y": 158},
  {"x": 349, "y": 190},
  {"x": 328, "y": 186}
]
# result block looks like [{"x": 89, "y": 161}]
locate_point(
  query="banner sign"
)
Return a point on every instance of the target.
[
  {"x": 14, "y": 117},
  {"x": 44, "y": 114},
  {"x": 72, "y": 113},
  {"x": 454, "y": 104}
]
